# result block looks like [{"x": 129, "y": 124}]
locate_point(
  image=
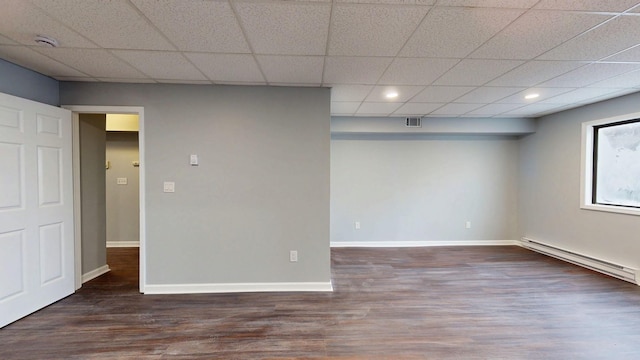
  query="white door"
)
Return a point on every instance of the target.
[{"x": 36, "y": 207}]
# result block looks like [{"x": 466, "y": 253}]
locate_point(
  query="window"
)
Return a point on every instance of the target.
[{"x": 611, "y": 165}]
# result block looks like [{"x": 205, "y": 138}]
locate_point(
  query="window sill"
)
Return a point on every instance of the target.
[{"x": 613, "y": 209}]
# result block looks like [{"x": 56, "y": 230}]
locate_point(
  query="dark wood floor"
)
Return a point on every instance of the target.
[{"x": 424, "y": 303}]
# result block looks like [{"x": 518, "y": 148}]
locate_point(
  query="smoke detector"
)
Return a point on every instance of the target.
[{"x": 46, "y": 41}]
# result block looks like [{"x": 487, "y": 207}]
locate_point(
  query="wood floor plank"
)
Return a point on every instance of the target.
[{"x": 425, "y": 303}]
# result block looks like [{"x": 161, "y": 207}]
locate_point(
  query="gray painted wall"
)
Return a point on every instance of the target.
[
  {"x": 92, "y": 191},
  {"x": 123, "y": 201},
  {"x": 28, "y": 84},
  {"x": 423, "y": 188},
  {"x": 262, "y": 187},
  {"x": 549, "y": 189}
]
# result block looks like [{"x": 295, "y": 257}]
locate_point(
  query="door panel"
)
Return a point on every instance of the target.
[{"x": 36, "y": 207}]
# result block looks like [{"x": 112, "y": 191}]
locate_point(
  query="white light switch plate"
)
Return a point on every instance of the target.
[
  {"x": 193, "y": 160},
  {"x": 169, "y": 186}
]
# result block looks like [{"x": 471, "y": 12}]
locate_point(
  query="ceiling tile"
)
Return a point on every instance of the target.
[
  {"x": 533, "y": 110},
  {"x": 578, "y": 95},
  {"x": 212, "y": 24},
  {"x": 6, "y": 41},
  {"x": 626, "y": 80},
  {"x": 161, "y": 65},
  {"x": 404, "y": 93},
  {"x": 536, "y": 32},
  {"x": 94, "y": 62},
  {"x": 631, "y": 54},
  {"x": 416, "y": 71},
  {"x": 590, "y": 74},
  {"x": 350, "y": 92},
  {"x": 193, "y": 82},
  {"x": 74, "y": 78},
  {"x": 535, "y": 72},
  {"x": 372, "y": 30},
  {"x": 354, "y": 70},
  {"x": 21, "y": 21},
  {"x": 487, "y": 94},
  {"x": 227, "y": 67},
  {"x": 31, "y": 59},
  {"x": 377, "y": 108},
  {"x": 494, "y": 109},
  {"x": 616, "y": 35},
  {"x": 389, "y": 2},
  {"x": 456, "y": 32},
  {"x": 417, "y": 109},
  {"x": 292, "y": 69},
  {"x": 516, "y": 4},
  {"x": 455, "y": 109},
  {"x": 441, "y": 94},
  {"x": 285, "y": 28},
  {"x": 309, "y": 84},
  {"x": 127, "y": 80},
  {"x": 344, "y": 107},
  {"x": 110, "y": 24},
  {"x": 586, "y": 5},
  {"x": 475, "y": 72},
  {"x": 544, "y": 93},
  {"x": 611, "y": 95}
]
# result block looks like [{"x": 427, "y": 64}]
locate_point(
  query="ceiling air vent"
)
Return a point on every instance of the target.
[{"x": 414, "y": 122}]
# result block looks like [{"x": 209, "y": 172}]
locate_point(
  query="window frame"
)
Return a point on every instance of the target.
[{"x": 587, "y": 168}]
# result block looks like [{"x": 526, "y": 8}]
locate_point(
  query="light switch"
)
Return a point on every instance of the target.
[
  {"x": 121, "y": 181},
  {"x": 169, "y": 186},
  {"x": 193, "y": 160}
]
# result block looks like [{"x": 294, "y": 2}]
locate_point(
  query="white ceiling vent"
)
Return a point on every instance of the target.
[
  {"x": 46, "y": 41},
  {"x": 413, "y": 122}
]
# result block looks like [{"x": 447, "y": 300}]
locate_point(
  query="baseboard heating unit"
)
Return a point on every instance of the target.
[{"x": 615, "y": 270}]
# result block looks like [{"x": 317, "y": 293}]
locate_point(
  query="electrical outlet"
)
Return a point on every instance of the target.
[
  {"x": 468, "y": 225},
  {"x": 357, "y": 225},
  {"x": 293, "y": 256}
]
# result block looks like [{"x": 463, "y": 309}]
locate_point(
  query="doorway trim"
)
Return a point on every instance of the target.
[{"x": 91, "y": 109}]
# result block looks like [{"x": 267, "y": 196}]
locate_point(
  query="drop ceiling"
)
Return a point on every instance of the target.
[{"x": 444, "y": 58}]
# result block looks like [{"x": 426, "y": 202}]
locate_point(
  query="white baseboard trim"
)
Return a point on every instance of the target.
[
  {"x": 116, "y": 244},
  {"x": 386, "y": 244},
  {"x": 95, "y": 273},
  {"x": 238, "y": 288}
]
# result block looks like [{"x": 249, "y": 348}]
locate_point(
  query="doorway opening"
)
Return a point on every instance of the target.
[
  {"x": 122, "y": 180},
  {"x": 122, "y": 172}
]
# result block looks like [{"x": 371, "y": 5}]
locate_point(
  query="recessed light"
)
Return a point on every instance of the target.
[
  {"x": 532, "y": 96},
  {"x": 391, "y": 95}
]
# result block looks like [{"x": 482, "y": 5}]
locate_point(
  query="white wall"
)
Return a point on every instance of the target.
[
  {"x": 423, "y": 188},
  {"x": 261, "y": 189},
  {"x": 123, "y": 200},
  {"x": 549, "y": 189}
]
